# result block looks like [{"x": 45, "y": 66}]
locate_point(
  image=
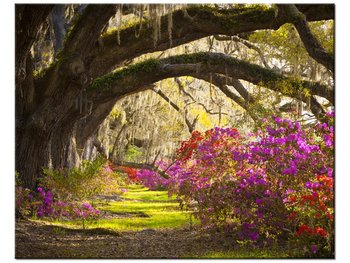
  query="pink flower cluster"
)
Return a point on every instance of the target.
[{"x": 43, "y": 205}]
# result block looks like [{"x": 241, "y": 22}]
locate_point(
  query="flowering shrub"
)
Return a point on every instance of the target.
[
  {"x": 301, "y": 163},
  {"x": 270, "y": 184},
  {"x": 78, "y": 184},
  {"x": 75, "y": 184},
  {"x": 23, "y": 201},
  {"x": 132, "y": 173},
  {"x": 217, "y": 176},
  {"x": 42, "y": 204},
  {"x": 85, "y": 212},
  {"x": 152, "y": 179},
  {"x": 68, "y": 188}
]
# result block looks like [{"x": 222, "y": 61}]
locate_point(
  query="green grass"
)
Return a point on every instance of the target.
[
  {"x": 156, "y": 220},
  {"x": 149, "y": 209},
  {"x": 258, "y": 253},
  {"x": 137, "y": 192}
]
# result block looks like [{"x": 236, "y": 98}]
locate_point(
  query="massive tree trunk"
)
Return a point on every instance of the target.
[{"x": 54, "y": 97}]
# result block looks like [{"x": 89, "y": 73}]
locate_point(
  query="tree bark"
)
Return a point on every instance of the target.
[
  {"x": 29, "y": 19},
  {"x": 31, "y": 155},
  {"x": 58, "y": 24},
  {"x": 64, "y": 149}
]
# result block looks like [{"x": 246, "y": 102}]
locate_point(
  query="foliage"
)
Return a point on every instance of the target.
[
  {"x": 133, "y": 153},
  {"x": 81, "y": 183}
]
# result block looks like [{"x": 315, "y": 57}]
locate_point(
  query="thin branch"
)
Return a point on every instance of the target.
[
  {"x": 167, "y": 99},
  {"x": 190, "y": 125},
  {"x": 156, "y": 157},
  {"x": 247, "y": 44},
  {"x": 212, "y": 112},
  {"x": 117, "y": 139},
  {"x": 194, "y": 101}
]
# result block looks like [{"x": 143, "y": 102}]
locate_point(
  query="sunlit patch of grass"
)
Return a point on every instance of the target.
[
  {"x": 156, "y": 220},
  {"x": 136, "y": 206},
  {"x": 141, "y": 193},
  {"x": 142, "y": 209}
]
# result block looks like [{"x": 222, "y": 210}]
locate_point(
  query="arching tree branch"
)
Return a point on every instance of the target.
[
  {"x": 204, "y": 22},
  {"x": 135, "y": 78},
  {"x": 311, "y": 44},
  {"x": 129, "y": 80}
]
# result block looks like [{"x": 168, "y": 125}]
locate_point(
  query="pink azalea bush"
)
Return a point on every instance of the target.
[
  {"x": 152, "y": 179},
  {"x": 42, "y": 204},
  {"x": 265, "y": 186}
]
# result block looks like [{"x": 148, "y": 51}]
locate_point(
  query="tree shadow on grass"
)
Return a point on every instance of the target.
[{"x": 79, "y": 231}]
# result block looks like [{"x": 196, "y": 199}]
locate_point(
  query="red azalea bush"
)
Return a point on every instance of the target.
[{"x": 132, "y": 173}]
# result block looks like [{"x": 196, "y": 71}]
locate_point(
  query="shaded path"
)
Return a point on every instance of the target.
[{"x": 37, "y": 240}]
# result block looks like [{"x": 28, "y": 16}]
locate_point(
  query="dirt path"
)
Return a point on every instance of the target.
[{"x": 37, "y": 240}]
